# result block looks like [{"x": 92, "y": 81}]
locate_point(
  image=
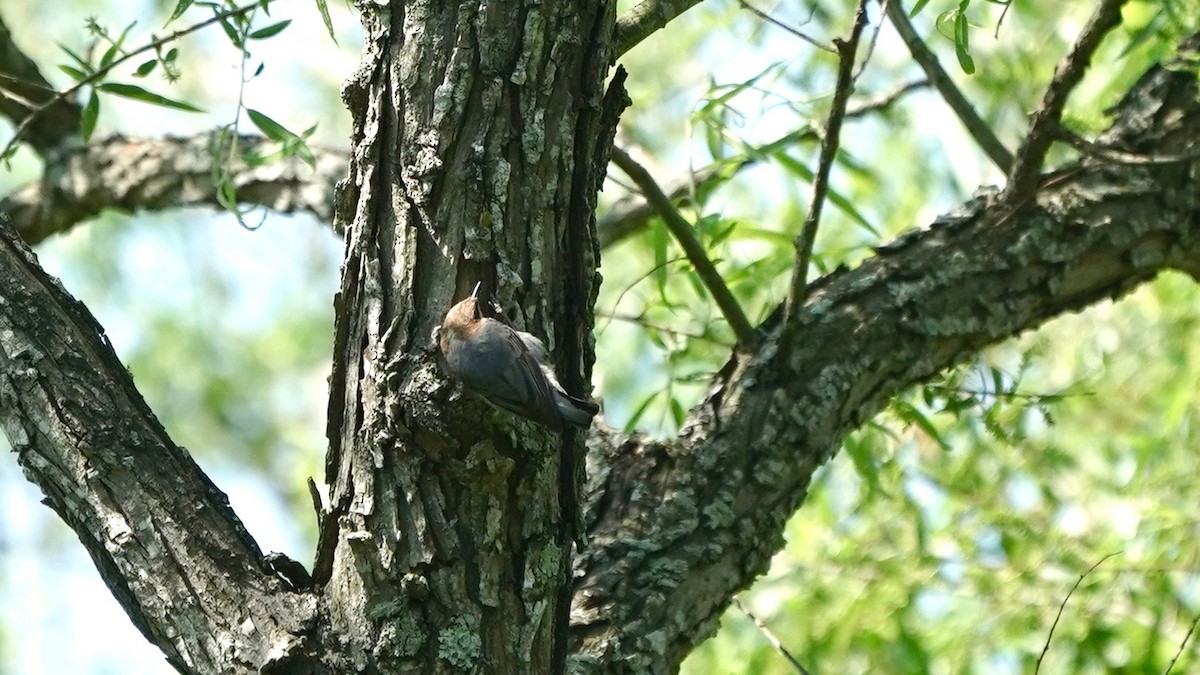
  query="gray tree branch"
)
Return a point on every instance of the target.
[
  {"x": 147, "y": 174},
  {"x": 644, "y": 19},
  {"x": 161, "y": 534},
  {"x": 927, "y": 60},
  {"x": 1027, "y": 163},
  {"x": 24, "y": 93}
]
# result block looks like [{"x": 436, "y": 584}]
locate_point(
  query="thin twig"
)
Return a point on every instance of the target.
[
  {"x": 847, "y": 49},
  {"x": 927, "y": 60},
  {"x": 1000, "y": 22},
  {"x": 100, "y": 73},
  {"x": 646, "y": 323},
  {"x": 775, "y": 642},
  {"x": 682, "y": 231},
  {"x": 1119, "y": 156},
  {"x": 644, "y": 19},
  {"x": 1023, "y": 178},
  {"x": 772, "y": 20},
  {"x": 1062, "y": 606},
  {"x": 630, "y": 286},
  {"x": 874, "y": 39},
  {"x": 1179, "y": 652},
  {"x": 630, "y": 213}
]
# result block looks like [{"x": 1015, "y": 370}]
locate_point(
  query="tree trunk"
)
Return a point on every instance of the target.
[{"x": 481, "y": 137}]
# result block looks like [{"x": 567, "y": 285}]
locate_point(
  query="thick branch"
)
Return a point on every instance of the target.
[
  {"x": 161, "y": 534},
  {"x": 644, "y": 19},
  {"x": 941, "y": 81},
  {"x": 24, "y": 91},
  {"x": 666, "y": 561},
  {"x": 148, "y": 174}
]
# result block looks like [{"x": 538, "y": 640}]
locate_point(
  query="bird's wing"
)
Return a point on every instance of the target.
[
  {"x": 528, "y": 378},
  {"x": 518, "y": 384}
]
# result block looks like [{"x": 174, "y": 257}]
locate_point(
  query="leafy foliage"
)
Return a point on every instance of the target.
[{"x": 947, "y": 534}]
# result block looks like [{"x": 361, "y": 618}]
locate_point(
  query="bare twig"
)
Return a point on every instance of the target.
[
  {"x": 772, "y": 20},
  {"x": 775, "y": 642},
  {"x": 648, "y": 16},
  {"x": 871, "y": 43},
  {"x": 1119, "y": 156},
  {"x": 651, "y": 325},
  {"x": 829, "y": 147},
  {"x": 1023, "y": 177},
  {"x": 24, "y": 125},
  {"x": 925, "y": 58},
  {"x": 631, "y": 213},
  {"x": 1062, "y": 606},
  {"x": 682, "y": 231},
  {"x": 1182, "y": 644}
]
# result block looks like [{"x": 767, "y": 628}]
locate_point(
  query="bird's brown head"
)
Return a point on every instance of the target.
[{"x": 460, "y": 322}]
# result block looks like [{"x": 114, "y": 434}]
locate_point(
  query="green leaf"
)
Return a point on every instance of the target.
[
  {"x": 227, "y": 195},
  {"x": 324, "y": 9},
  {"x": 232, "y": 33},
  {"x": 132, "y": 91},
  {"x": 270, "y": 128},
  {"x": 91, "y": 111},
  {"x": 962, "y": 44},
  {"x": 918, "y": 7},
  {"x": 84, "y": 65},
  {"x": 111, "y": 53},
  {"x": 641, "y": 410},
  {"x": 75, "y": 73},
  {"x": 865, "y": 464},
  {"x": 180, "y": 8},
  {"x": 270, "y": 31},
  {"x": 146, "y": 68},
  {"x": 910, "y": 414},
  {"x": 678, "y": 412}
]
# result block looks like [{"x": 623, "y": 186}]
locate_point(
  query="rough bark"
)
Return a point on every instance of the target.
[
  {"x": 480, "y": 138},
  {"x": 161, "y": 534},
  {"x": 147, "y": 174}
]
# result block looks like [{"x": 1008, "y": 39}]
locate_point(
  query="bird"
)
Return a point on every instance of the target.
[{"x": 509, "y": 368}]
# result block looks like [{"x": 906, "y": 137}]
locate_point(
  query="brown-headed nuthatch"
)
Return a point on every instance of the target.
[{"x": 510, "y": 368}]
